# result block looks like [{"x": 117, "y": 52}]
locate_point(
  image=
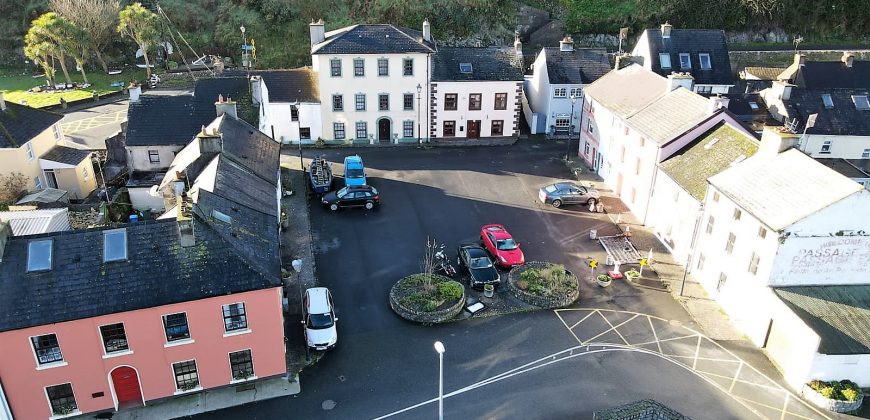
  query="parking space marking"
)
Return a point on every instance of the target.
[
  {"x": 76, "y": 126},
  {"x": 783, "y": 401}
]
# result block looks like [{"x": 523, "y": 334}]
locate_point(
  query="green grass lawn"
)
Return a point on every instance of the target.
[{"x": 14, "y": 85}]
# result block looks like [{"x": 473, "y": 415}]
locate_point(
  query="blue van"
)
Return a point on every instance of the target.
[{"x": 354, "y": 172}]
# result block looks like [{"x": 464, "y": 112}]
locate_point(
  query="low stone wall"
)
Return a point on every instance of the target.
[
  {"x": 434, "y": 317},
  {"x": 550, "y": 302},
  {"x": 836, "y": 406}
]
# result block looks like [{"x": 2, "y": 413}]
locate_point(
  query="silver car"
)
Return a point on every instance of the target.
[{"x": 562, "y": 193}]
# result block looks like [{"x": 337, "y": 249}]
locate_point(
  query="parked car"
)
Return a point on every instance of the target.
[
  {"x": 475, "y": 261},
  {"x": 502, "y": 246},
  {"x": 355, "y": 196},
  {"x": 354, "y": 171},
  {"x": 318, "y": 316},
  {"x": 562, "y": 193}
]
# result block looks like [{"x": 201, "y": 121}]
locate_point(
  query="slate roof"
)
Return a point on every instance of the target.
[
  {"x": 374, "y": 39},
  {"x": 842, "y": 119},
  {"x": 845, "y": 167},
  {"x": 19, "y": 124},
  {"x": 173, "y": 120},
  {"x": 762, "y": 73},
  {"x": 67, "y": 155},
  {"x": 833, "y": 74},
  {"x": 739, "y": 105},
  {"x": 670, "y": 116},
  {"x": 233, "y": 257},
  {"x": 840, "y": 315},
  {"x": 773, "y": 188},
  {"x": 707, "y": 155},
  {"x": 627, "y": 90},
  {"x": 488, "y": 64},
  {"x": 694, "y": 42},
  {"x": 291, "y": 85},
  {"x": 580, "y": 66}
]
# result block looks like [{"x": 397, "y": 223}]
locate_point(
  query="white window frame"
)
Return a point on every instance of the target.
[
  {"x": 339, "y": 126},
  {"x": 153, "y": 156},
  {"x": 126, "y": 245},
  {"x": 365, "y": 130},
  {"x": 107, "y": 355},
  {"x": 53, "y": 416},
  {"x": 404, "y": 62},
  {"x": 50, "y": 254},
  {"x": 404, "y": 101},
  {"x": 562, "y": 122},
  {"x": 178, "y": 390},
  {"x": 665, "y": 60},
  {"x": 245, "y": 330},
  {"x": 688, "y": 59},
  {"x": 58, "y": 136},
  {"x": 574, "y": 92},
  {"x": 362, "y": 67},
  {"x": 826, "y": 148},
  {"x": 407, "y": 124},
  {"x": 356, "y": 101},
  {"x": 386, "y": 67},
  {"x": 865, "y": 154},
  {"x": 253, "y": 368},
  {"x": 38, "y": 183},
  {"x": 827, "y": 101},
  {"x": 862, "y": 103},
  {"x": 28, "y": 148},
  {"x": 337, "y": 103},
  {"x": 178, "y": 342},
  {"x": 48, "y": 365},
  {"x": 560, "y": 92},
  {"x": 701, "y": 58},
  {"x": 332, "y": 68}
]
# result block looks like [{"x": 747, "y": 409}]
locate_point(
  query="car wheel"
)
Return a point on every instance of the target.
[
  {"x": 333, "y": 207},
  {"x": 369, "y": 205},
  {"x": 590, "y": 202},
  {"x": 557, "y": 203}
]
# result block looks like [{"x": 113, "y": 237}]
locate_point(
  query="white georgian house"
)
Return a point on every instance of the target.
[
  {"x": 476, "y": 92},
  {"x": 369, "y": 79},
  {"x": 558, "y": 75}
]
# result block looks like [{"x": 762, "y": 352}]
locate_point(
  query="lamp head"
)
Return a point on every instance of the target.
[
  {"x": 242, "y": 28},
  {"x": 439, "y": 347}
]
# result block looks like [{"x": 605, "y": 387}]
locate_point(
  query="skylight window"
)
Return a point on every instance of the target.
[
  {"x": 115, "y": 245},
  {"x": 705, "y": 61},
  {"x": 465, "y": 68},
  {"x": 665, "y": 60},
  {"x": 861, "y": 102},
  {"x": 39, "y": 255},
  {"x": 753, "y": 105},
  {"x": 685, "y": 61},
  {"x": 826, "y": 99},
  {"x": 222, "y": 217}
]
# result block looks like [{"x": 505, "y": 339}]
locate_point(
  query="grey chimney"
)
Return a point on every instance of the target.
[
  {"x": 427, "y": 31},
  {"x": 676, "y": 80},
  {"x": 2, "y": 102},
  {"x": 135, "y": 91},
  {"x": 186, "y": 236},
  {"x": 226, "y": 107},
  {"x": 256, "y": 90},
  {"x": 717, "y": 101},
  {"x": 518, "y": 45},
  {"x": 566, "y": 44},
  {"x": 666, "y": 30},
  {"x": 318, "y": 33},
  {"x": 848, "y": 59}
]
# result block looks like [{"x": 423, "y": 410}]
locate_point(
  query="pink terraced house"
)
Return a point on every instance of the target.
[{"x": 102, "y": 319}]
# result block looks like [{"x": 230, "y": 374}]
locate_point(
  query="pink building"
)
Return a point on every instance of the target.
[{"x": 103, "y": 319}]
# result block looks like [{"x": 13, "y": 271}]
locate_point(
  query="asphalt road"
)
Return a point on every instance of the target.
[{"x": 384, "y": 364}]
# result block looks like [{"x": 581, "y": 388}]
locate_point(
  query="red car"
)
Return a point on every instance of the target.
[{"x": 501, "y": 245}]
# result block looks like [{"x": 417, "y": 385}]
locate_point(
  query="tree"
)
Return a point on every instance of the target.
[
  {"x": 11, "y": 186},
  {"x": 77, "y": 43},
  {"x": 140, "y": 24},
  {"x": 47, "y": 35},
  {"x": 40, "y": 51},
  {"x": 98, "y": 19}
]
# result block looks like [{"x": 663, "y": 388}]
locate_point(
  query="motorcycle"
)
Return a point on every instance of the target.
[{"x": 442, "y": 263}]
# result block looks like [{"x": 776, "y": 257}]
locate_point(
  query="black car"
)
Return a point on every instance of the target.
[
  {"x": 354, "y": 196},
  {"x": 475, "y": 260}
]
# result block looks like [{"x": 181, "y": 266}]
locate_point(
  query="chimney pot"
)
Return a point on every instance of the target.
[
  {"x": 316, "y": 32},
  {"x": 848, "y": 59},
  {"x": 566, "y": 44},
  {"x": 427, "y": 31},
  {"x": 666, "y": 30}
]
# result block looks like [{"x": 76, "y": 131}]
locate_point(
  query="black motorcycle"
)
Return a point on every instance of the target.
[{"x": 442, "y": 263}]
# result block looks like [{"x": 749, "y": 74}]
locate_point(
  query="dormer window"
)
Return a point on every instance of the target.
[
  {"x": 665, "y": 60},
  {"x": 861, "y": 102},
  {"x": 39, "y": 255},
  {"x": 753, "y": 105},
  {"x": 827, "y": 101},
  {"x": 705, "y": 61},
  {"x": 115, "y": 245},
  {"x": 685, "y": 61},
  {"x": 465, "y": 68}
]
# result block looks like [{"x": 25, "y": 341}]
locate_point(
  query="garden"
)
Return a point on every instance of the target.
[
  {"x": 427, "y": 297},
  {"x": 544, "y": 284},
  {"x": 17, "y": 86},
  {"x": 842, "y": 396}
]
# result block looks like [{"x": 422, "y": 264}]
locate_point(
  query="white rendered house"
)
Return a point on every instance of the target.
[
  {"x": 289, "y": 104},
  {"x": 369, "y": 79}
]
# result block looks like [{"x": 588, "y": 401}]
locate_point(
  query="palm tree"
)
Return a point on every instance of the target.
[
  {"x": 140, "y": 24},
  {"x": 40, "y": 52},
  {"x": 50, "y": 33}
]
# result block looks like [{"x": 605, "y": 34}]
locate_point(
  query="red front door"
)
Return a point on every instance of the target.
[{"x": 126, "y": 383}]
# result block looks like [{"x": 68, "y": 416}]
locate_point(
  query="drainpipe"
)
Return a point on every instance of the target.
[{"x": 428, "y": 100}]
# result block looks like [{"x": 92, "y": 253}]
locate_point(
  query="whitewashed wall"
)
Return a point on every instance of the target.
[
  {"x": 487, "y": 112},
  {"x": 846, "y": 147},
  {"x": 142, "y": 199},
  {"x": 672, "y": 216},
  {"x": 138, "y": 160}
]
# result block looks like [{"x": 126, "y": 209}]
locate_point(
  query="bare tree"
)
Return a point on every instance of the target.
[
  {"x": 11, "y": 186},
  {"x": 427, "y": 263},
  {"x": 97, "y": 17}
]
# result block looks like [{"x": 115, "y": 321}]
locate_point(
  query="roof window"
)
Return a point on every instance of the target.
[
  {"x": 221, "y": 217},
  {"x": 685, "y": 61},
  {"x": 465, "y": 68},
  {"x": 115, "y": 245},
  {"x": 704, "y": 58},
  {"x": 861, "y": 102},
  {"x": 665, "y": 60},
  {"x": 827, "y": 100},
  {"x": 753, "y": 105},
  {"x": 39, "y": 255}
]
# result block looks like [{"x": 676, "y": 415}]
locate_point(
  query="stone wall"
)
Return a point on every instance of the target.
[
  {"x": 546, "y": 302},
  {"x": 434, "y": 317}
]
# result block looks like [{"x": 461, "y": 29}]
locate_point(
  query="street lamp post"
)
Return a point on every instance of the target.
[
  {"x": 245, "y": 63},
  {"x": 571, "y": 127},
  {"x": 439, "y": 347},
  {"x": 419, "y": 134}
]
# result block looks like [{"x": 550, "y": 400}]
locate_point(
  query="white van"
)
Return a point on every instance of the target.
[{"x": 318, "y": 316}]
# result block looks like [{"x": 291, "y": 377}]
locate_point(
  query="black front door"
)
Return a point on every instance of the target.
[
  {"x": 384, "y": 130},
  {"x": 473, "y": 129}
]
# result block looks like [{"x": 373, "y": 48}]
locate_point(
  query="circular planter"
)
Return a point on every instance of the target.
[
  {"x": 488, "y": 290},
  {"x": 547, "y": 302},
  {"x": 836, "y": 406},
  {"x": 604, "y": 283},
  {"x": 445, "y": 313}
]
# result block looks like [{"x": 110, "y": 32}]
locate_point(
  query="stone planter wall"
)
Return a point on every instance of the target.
[
  {"x": 434, "y": 317},
  {"x": 550, "y": 302},
  {"x": 836, "y": 406}
]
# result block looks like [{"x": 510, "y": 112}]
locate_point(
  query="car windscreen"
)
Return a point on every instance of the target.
[
  {"x": 355, "y": 173},
  {"x": 341, "y": 193},
  {"x": 550, "y": 188},
  {"x": 319, "y": 321},
  {"x": 506, "y": 244},
  {"x": 482, "y": 262}
]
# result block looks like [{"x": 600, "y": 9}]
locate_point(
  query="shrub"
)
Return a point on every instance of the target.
[
  {"x": 430, "y": 305},
  {"x": 603, "y": 278},
  {"x": 827, "y": 392},
  {"x": 537, "y": 289},
  {"x": 850, "y": 394},
  {"x": 531, "y": 275},
  {"x": 450, "y": 290},
  {"x": 523, "y": 285},
  {"x": 632, "y": 273}
]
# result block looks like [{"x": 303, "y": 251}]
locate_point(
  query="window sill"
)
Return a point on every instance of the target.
[
  {"x": 179, "y": 342},
  {"x": 187, "y": 391},
  {"x": 51, "y": 365},
  {"x": 238, "y": 381},
  {"x": 117, "y": 354},
  {"x": 63, "y": 416},
  {"x": 237, "y": 332}
]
